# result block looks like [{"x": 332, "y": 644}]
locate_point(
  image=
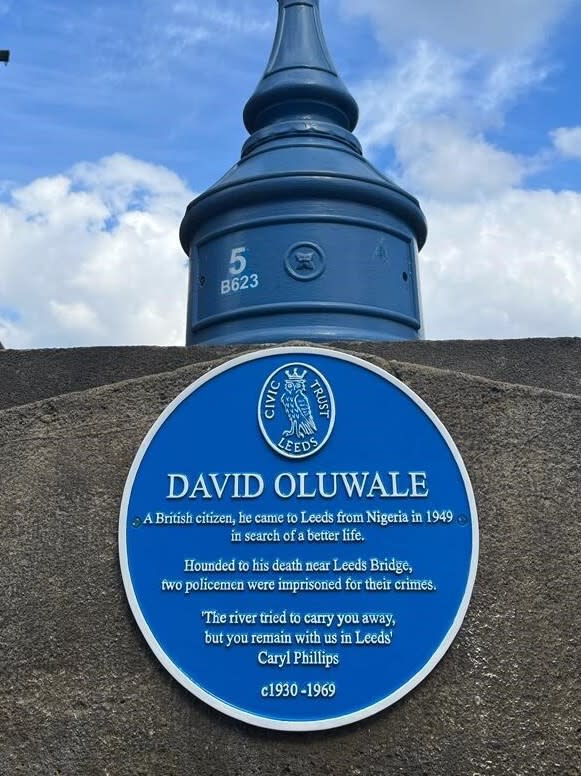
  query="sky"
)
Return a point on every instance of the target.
[{"x": 114, "y": 116}]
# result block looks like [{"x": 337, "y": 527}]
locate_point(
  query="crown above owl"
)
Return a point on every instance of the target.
[{"x": 295, "y": 375}]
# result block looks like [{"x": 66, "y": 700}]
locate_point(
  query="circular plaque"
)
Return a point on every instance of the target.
[{"x": 298, "y": 539}]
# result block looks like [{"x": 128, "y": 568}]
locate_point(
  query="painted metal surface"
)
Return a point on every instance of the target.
[
  {"x": 298, "y": 539},
  {"x": 303, "y": 237}
]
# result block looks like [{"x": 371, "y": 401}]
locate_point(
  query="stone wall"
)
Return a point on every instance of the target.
[
  {"x": 82, "y": 694},
  {"x": 29, "y": 375}
]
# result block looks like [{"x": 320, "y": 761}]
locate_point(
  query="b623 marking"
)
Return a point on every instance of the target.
[{"x": 238, "y": 280}]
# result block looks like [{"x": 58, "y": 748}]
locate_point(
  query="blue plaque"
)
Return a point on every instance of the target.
[{"x": 298, "y": 539}]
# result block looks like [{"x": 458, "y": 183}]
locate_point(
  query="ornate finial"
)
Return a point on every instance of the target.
[
  {"x": 302, "y": 238},
  {"x": 300, "y": 80}
]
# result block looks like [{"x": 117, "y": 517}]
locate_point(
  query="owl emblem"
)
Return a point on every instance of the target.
[
  {"x": 296, "y": 410},
  {"x": 297, "y": 406}
]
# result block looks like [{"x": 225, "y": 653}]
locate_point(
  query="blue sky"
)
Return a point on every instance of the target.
[{"x": 115, "y": 114}]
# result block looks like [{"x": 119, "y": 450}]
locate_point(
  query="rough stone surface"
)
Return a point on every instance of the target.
[
  {"x": 81, "y": 693},
  {"x": 30, "y": 375}
]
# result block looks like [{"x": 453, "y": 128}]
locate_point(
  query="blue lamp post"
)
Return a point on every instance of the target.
[{"x": 303, "y": 237}]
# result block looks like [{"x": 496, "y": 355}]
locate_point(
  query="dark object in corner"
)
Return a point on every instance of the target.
[{"x": 4, "y": 56}]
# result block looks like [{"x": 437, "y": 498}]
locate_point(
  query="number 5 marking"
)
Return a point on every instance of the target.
[{"x": 237, "y": 261}]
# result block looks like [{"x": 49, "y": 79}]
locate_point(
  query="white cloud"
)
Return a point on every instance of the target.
[
  {"x": 186, "y": 24},
  {"x": 505, "y": 267},
  {"x": 224, "y": 19},
  {"x": 433, "y": 109},
  {"x": 425, "y": 82},
  {"x": 77, "y": 317},
  {"x": 495, "y": 26},
  {"x": 92, "y": 257},
  {"x": 439, "y": 159},
  {"x": 567, "y": 141},
  {"x": 507, "y": 79}
]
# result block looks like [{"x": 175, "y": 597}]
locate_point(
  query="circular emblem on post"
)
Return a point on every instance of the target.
[
  {"x": 296, "y": 410},
  {"x": 305, "y": 261}
]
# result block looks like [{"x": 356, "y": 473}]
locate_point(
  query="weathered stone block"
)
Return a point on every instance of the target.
[{"x": 81, "y": 692}]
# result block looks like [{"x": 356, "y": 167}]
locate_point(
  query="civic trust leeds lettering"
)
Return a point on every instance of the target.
[{"x": 286, "y": 485}]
